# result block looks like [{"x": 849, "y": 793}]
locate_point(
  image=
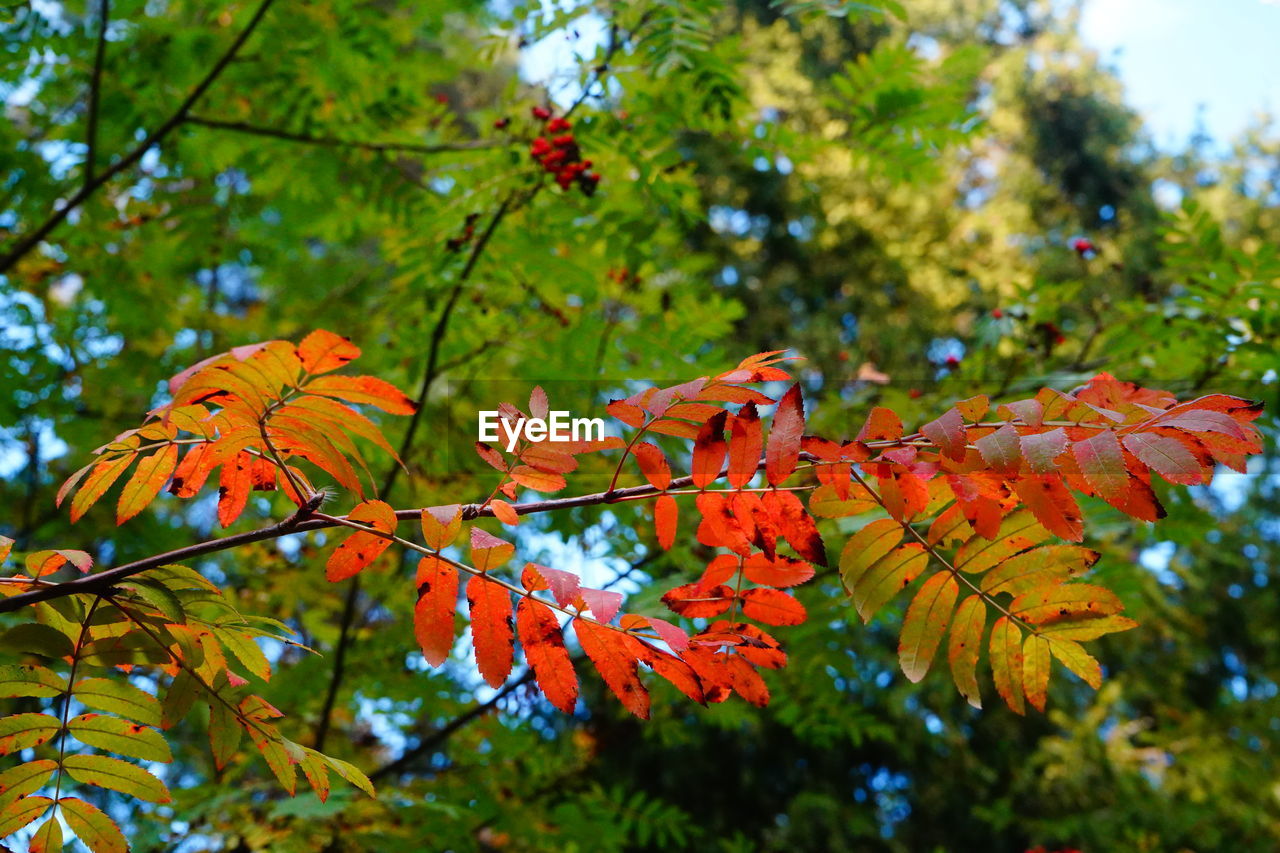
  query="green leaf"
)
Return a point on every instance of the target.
[
  {"x": 926, "y": 621},
  {"x": 159, "y": 597},
  {"x": 98, "y": 832},
  {"x": 119, "y": 697},
  {"x": 107, "y": 772},
  {"x": 351, "y": 773},
  {"x": 965, "y": 645},
  {"x": 32, "y": 638},
  {"x": 224, "y": 733},
  {"x": 179, "y": 698},
  {"x": 1018, "y": 532},
  {"x": 21, "y": 731},
  {"x": 23, "y": 779},
  {"x": 181, "y": 577},
  {"x": 30, "y": 680},
  {"x": 22, "y": 812},
  {"x": 120, "y": 736},
  {"x": 246, "y": 651}
]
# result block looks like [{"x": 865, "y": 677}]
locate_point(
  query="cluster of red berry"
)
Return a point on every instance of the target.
[
  {"x": 560, "y": 154},
  {"x": 1084, "y": 247}
]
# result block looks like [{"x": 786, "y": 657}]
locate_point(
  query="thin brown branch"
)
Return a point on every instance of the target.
[
  {"x": 95, "y": 93},
  {"x": 335, "y": 142},
  {"x": 32, "y": 238}
]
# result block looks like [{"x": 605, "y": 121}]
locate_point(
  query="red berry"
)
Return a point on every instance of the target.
[
  {"x": 442, "y": 98},
  {"x": 541, "y": 113},
  {"x": 952, "y": 360},
  {"x": 558, "y": 124},
  {"x": 997, "y": 313},
  {"x": 915, "y": 393},
  {"x": 1083, "y": 246},
  {"x": 540, "y": 146},
  {"x": 563, "y": 141},
  {"x": 501, "y": 123}
]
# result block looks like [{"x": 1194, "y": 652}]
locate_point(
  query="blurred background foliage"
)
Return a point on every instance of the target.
[{"x": 894, "y": 191}]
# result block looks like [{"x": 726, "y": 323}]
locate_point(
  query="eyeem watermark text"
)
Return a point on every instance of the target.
[{"x": 558, "y": 426}]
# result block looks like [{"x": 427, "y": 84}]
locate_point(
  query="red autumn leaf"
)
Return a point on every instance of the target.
[
  {"x": 709, "y": 451},
  {"x": 1167, "y": 456},
  {"x": 234, "y": 484},
  {"x": 491, "y": 629},
  {"x": 1041, "y": 449},
  {"x": 653, "y": 464},
  {"x": 666, "y": 514},
  {"x": 190, "y": 475},
  {"x": 323, "y": 351},
  {"x": 672, "y": 635},
  {"x": 882, "y": 425},
  {"x": 544, "y": 649},
  {"x": 360, "y": 548},
  {"x": 904, "y": 494},
  {"x": 796, "y": 525},
  {"x": 721, "y": 568},
  {"x": 948, "y": 433},
  {"x": 538, "y": 481},
  {"x": 746, "y": 441},
  {"x": 363, "y": 389},
  {"x": 491, "y": 456},
  {"x": 612, "y": 655},
  {"x": 1001, "y": 450},
  {"x": 504, "y": 512},
  {"x": 669, "y": 667},
  {"x": 433, "y": 615},
  {"x": 746, "y": 682},
  {"x": 696, "y": 602},
  {"x": 780, "y": 571},
  {"x": 1101, "y": 462},
  {"x": 772, "y": 607},
  {"x": 784, "y": 436},
  {"x": 632, "y": 416},
  {"x": 1051, "y": 502},
  {"x": 719, "y": 528},
  {"x": 604, "y": 605}
]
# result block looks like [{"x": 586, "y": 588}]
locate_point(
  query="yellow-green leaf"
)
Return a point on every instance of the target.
[
  {"x": 1038, "y": 567},
  {"x": 1064, "y": 602},
  {"x": 964, "y": 646},
  {"x": 926, "y": 621},
  {"x": 119, "y": 697},
  {"x": 120, "y": 736},
  {"x": 178, "y": 699},
  {"x": 890, "y": 574},
  {"x": 1073, "y": 656},
  {"x": 107, "y": 772},
  {"x": 313, "y": 767},
  {"x": 351, "y": 773},
  {"x": 21, "y": 731},
  {"x": 144, "y": 485},
  {"x": 97, "y": 483},
  {"x": 98, "y": 832},
  {"x": 48, "y": 838},
  {"x": 1087, "y": 627},
  {"x": 35, "y": 639},
  {"x": 866, "y": 547},
  {"x": 22, "y": 812},
  {"x": 1018, "y": 532},
  {"x": 246, "y": 651},
  {"x": 30, "y": 680},
  {"x": 23, "y": 779},
  {"x": 1035, "y": 670},
  {"x": 1006, "y": 663}
]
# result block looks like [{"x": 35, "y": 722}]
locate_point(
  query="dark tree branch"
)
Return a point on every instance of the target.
[
  {"x": 32, "y": 238},
  {"x": 95, "y": 94},
  {"x": 334, "y": 142},
  {"x": 347, "y": 620}
]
